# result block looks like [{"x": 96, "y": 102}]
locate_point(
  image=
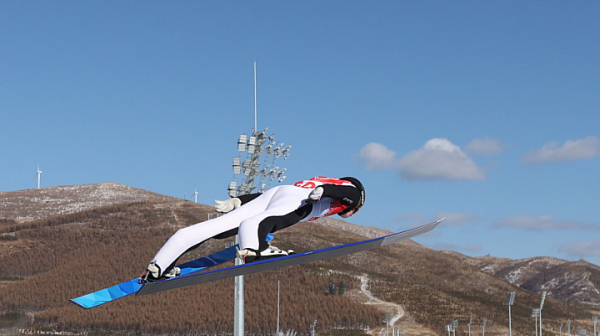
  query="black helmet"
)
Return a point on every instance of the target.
[{"x": 360, "y": 188}]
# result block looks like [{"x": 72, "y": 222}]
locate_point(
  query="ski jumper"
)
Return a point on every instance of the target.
[{"x": 261, "y": 214}]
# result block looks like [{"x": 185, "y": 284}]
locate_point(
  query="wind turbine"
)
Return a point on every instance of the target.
[
  {"x": 195, "y": 196},
  {"x": 39, "y": 176}
]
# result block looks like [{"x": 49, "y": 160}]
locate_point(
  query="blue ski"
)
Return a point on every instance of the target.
[
  {"x": 275, "y": 263},
  {"x": 132, "y": 286}
]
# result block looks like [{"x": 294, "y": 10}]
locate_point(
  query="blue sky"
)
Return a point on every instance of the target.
[{"x": 484, "y": 112}]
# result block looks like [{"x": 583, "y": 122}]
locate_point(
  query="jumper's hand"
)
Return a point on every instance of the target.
[
  {"x": 228, "y": 205},
  {"x": 315, "y": 195}
]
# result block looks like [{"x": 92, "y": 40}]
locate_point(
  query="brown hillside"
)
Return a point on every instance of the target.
[
  {"x": 47, "y": 261},
  {"x": 564, "y": 280}
]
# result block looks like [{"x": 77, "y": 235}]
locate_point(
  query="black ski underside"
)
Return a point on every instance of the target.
[{"x": 294, "y": 259}]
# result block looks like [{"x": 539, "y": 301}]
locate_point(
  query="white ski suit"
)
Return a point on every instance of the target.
[{"x": 260, "y": 214}]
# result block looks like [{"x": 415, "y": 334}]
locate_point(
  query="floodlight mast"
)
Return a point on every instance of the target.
[
  {"x": 510, "y": 300},
  {"x": 470, "y": 322},
  {"x": 483, "y": 327},
  {"x": 248, "y": 170},
  {"x": 535, "y": 313},
  {"x": 541, "y": 307},
  {"x": 386, "y": 320}
]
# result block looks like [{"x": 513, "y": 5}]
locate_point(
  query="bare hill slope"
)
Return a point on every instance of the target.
[
  {"x": 41, "y": 203},
  {"x": 63, "y": 254}
]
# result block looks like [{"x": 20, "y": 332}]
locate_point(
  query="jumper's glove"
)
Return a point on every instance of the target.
[
  {"x": 315, "y": 195},
  {"x": 228, "y": 205}
]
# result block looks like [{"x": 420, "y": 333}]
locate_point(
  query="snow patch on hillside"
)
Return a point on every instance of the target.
[{"x": 40, "y": 203}]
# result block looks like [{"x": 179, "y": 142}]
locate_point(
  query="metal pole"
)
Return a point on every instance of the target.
[
  {"x": 540, "y": 322},
  {"x": 238, "y": 314},
  {"x": 561, "y": 329},
  {"x": 387, "y": 328},
  {"x": 483, "y": 327},
  {"x": 255, "y": 116},
  {"x": 509, "y": 322},
  {"x": 278, "y": 291}
]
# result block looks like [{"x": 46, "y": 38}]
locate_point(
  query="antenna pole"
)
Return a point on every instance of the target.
[{"x": 255, "y": 114}]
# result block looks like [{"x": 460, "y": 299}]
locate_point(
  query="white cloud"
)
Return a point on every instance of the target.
[
  {"x": 439, "y": 159},
  {"x": 581, "y": 249},
  {"x": 538, "y": 223},
  {"x": 376, "y": 156},
  {"x": 459, "y": 218},
  {"x": 571, "y": 150},
  {"x": 485, "y": 146}
]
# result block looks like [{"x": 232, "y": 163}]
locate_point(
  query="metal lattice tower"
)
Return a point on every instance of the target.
[
  {"x": 258, "y": 147},
  {"x": 258, "y": 169}
]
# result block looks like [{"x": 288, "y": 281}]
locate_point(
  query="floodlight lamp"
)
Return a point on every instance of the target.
[
  {"x": 232, "y": 188},
  {"x": 242, "y": 143},
  {"x": 510, "y": 299},
  {"x": 543, "y": 299}
]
